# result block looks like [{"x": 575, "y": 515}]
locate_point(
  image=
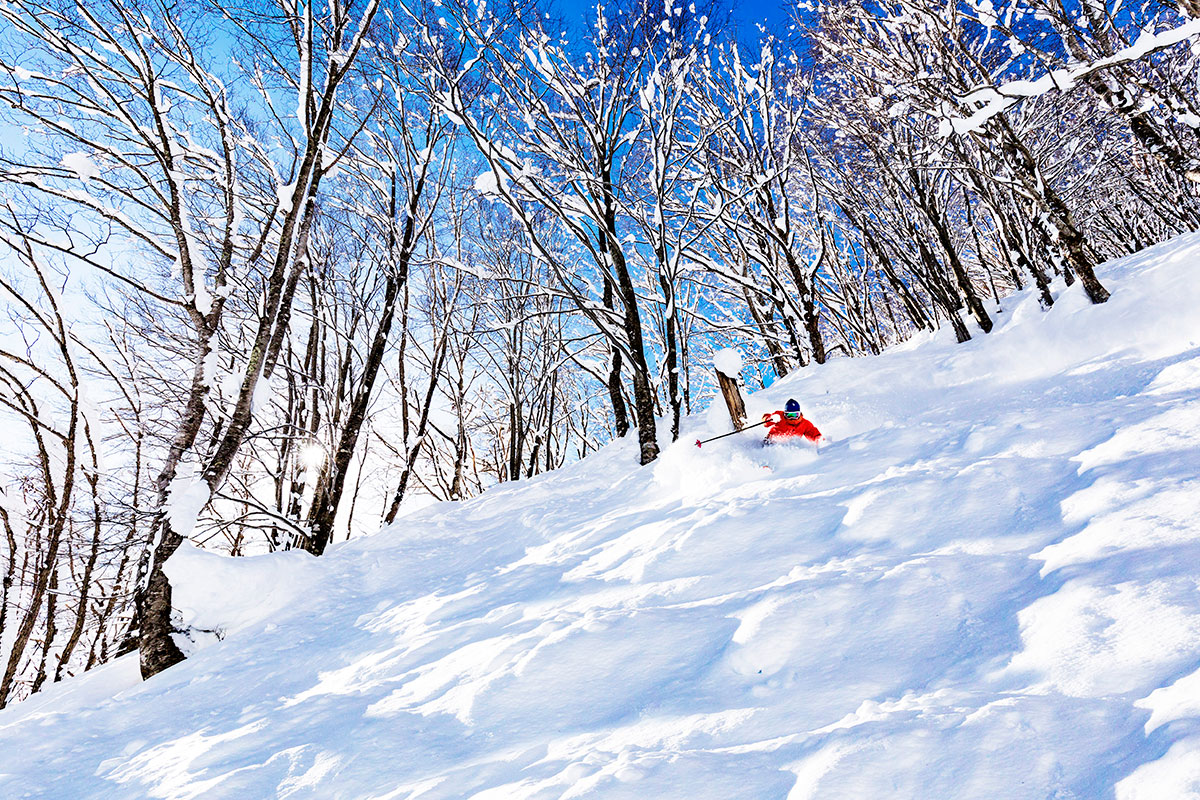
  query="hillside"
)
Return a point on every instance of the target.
[{"x": 986, "y": 585}]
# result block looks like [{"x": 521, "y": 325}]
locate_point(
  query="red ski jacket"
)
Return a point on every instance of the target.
[{"x": 784, "y": 428}]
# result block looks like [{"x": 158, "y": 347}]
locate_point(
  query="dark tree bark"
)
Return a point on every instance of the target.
[
  {"x": 643, "y": 392},
  {"x": 616, "y": 396},
  {"x": 672, "y": 355},
  {"x": 9, "y": 569},
  {"x": 733, "y": 399}
]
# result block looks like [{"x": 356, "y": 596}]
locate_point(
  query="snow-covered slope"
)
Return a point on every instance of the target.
[{"x": 986, "y": 586}]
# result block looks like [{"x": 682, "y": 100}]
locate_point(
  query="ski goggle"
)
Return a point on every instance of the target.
[{"x": 792, "y": 414}]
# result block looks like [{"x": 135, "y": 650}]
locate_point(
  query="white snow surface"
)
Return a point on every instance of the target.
[
  {"x": 728, "y": 362},
  {"x": 987, "y": 586}
]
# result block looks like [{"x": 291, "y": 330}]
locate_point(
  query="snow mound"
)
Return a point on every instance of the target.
[
  {"x": 728, "y": 362},
  {"x": 986, "y": 586}
]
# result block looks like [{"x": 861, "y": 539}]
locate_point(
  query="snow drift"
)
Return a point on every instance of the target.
[{"x": 987, "y": 585}]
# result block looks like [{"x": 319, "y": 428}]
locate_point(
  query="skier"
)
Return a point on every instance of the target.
[{"x": 789, "y": 424}]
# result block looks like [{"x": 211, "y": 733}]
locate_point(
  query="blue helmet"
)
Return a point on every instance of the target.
[{"x": 791, "y": 409}]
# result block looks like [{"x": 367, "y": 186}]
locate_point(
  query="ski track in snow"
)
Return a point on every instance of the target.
[{"x": 986, "y": 586}]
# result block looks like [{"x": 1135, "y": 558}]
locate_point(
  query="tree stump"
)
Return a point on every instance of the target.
[{"x": 733, "y": 399}]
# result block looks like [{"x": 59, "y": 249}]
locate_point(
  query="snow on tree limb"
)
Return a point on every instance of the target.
[{"x": 997, "y": 99}]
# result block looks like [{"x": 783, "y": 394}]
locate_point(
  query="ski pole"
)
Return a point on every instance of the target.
[{"x": 731, "y": 433}]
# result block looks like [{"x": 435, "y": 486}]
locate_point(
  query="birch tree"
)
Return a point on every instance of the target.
[{"x": 132, "y": 124}]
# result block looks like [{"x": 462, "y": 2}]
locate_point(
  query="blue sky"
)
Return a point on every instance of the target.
[
  {"x": 745, "y": 12},
  {"x": 752, "y": 11}
]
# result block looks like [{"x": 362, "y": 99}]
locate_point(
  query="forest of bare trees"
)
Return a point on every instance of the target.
[{"x": 273, "y": 273}]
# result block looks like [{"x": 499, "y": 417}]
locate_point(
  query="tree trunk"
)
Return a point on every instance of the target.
[
  {"x": 643, "y": 393},
  {"x": 156, "y": 648},
  {"x": 152, "y": 604},
  {"x": 615, "y": 396},
  {"x": 733, "y": 399},
  {"x": 323, "y": 512},
  {"x": 672, "y": 356},
  {"x": 808, "y": 306},
  {"x": 1058, "y": 218},
  {"x": 913, "y": 308},
  {"x": 7, "y": 581},
  {"x": 515, "y": 440},
  {"x": 533, "y": 456}
]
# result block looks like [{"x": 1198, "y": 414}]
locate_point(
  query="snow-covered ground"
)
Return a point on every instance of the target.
[{"x": 987, "y": 585}]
